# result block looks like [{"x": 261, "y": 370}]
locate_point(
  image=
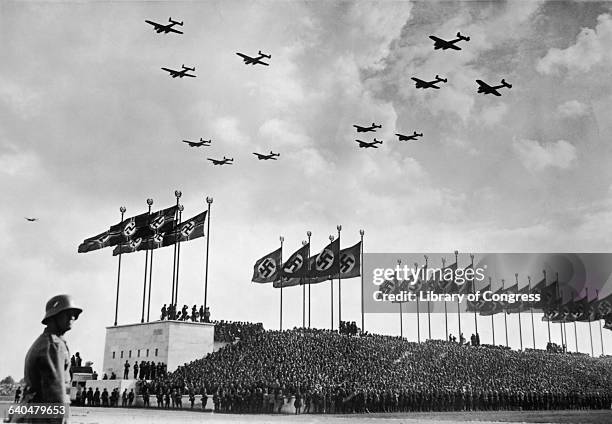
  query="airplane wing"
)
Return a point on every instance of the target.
[
  {"x": 495, "y": 92},
  {"x": 189, "y": 75},
  {"x": 247, "y": 59},
  {"x": 451, "y": 46},
  {"x": 172, "y": 71},
  {"x": 255, "y": 62},
  {"x": 167, "y": 30},
  {"x": 438, "y": 41},
  {"x": 483, "y": 84},
  {"x": 156, "y": 25}
]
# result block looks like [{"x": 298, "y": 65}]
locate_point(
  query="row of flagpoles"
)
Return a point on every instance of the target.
[
  {"x": 303, "y": 269},
  {"x": 149, "y": 231}
]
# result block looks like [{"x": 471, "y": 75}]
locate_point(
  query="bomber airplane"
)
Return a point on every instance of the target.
[
  {"x": 224, "y": 161},
  {"x": 448, "y": 44},
  {"x": 414, "y": 136},
  {"x": 200, "y": 143},
  {"x": 31, "y": 219},
  {"x": 271, "y": 156},
  {"x": 485, "y": 88},
  {"x": 182, "y": 73},
  {"x": 369, "y": 145},
  {"x": 248, "y": 60},
  {"x": 428, "y": 84},
  {"x": 367, "y": 129},
  {"x": 159, "y": 28}
]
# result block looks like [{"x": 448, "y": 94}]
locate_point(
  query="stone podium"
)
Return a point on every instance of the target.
[{"x": 172, "y": 342}]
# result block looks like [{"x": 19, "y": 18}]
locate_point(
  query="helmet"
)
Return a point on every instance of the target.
[{"x": 57, "y": 304}]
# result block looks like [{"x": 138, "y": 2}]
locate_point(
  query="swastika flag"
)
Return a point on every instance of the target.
[
  {"x": 297, "y": 264},
  {"x": 267, "y": 268},
  {"x": 119, "y": 233},
  {"x": 327, "y": 262}
]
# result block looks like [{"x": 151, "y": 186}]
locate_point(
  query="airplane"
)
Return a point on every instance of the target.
[
  {"x": 182, "y": 73},
  {"x": 224, "y": 161},
  {"x": 368, "y": 145},
  {"x": 31, "y": 219},
  {"x": 272, "y": 156},
  {"x": 485, "y": 88},
  {"x": 428, "y": 84},
  {"x": 409, "y": 137},
  {"x": 248, "y": 60},
  {"x": 200, "y": 143},
  {"x": 159, "y": 28},
  {"x": 448, "y": 44},
  {"x": 367, "y": 129}
]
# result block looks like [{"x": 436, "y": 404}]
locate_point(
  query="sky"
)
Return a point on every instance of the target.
[{"x": 89, "y": 122}]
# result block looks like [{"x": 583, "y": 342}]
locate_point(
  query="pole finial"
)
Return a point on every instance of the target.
[
  {"x": 331, "y": 237},
  {"x": 209, "y": 200},
  {"x": 308, "y": 233},
  {"x": 150, "y": 202},
  {"x": 361, "y": 232},
  {"x": 177, "y": 193},
  {"x": 339, "y": 227},
  {"x": 181, "y": 208},
  {"x": 282, "y": 239},
  {"x": 122, "y": 209}
]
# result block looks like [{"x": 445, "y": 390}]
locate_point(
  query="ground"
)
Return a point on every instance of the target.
[{"x": 137, "y": 415}]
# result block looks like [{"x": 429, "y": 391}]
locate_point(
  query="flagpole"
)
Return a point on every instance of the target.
[
  {"x": 209, "y": 201},
  {"x": 531, "y": 310},
  {"x": 505, "y": 318},
  {"x": 428, "y": 309},
  {"x": 492, "y": 314},
  {"x": 150, "y": 283},
  {"x": 519, "y": 314},
  {"x": 339, "y": 228},
  {"x": 331, "y": 286},
  {"x": 591, "y": 331},
  {"x": 144, "y": 288},
  {"x": 474, "y": 292},
  {"x": 282, "y": 239},
  {"x": 401, "y": 323},
  {"x": 547, "y": 322},
  {"x": 361, "y": 232},
  {"x": 576, "y": 336},
  {"x": 304, "y": 243},
  {"x": 445, "y": 310},
  {"x": 560, "y": 325},
  {"x": 458, "y": 306},
  {"x": 600, "y": 325},
  {"x": 178, "y": 256},
  {"x": 178, "y": 195},
  {"x": 416, "y": 267},
  {"x": 122, "y": 210},
  {"x": 308, "y": 233}
]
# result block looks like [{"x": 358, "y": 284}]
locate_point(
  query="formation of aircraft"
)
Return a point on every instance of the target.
[
  {"x": 159, "y": 28},
  {"x": 428, "y": 84},
  {"x": 365, "y": 144},
  {"x": 271, "y": 156},
  {"x": 224, "y": 161},
  {"x": 200, "y": 143},
  {"x": 182, "y": 73},
  {"x": 367, "y": 129},
  {"x": 414, "y": 136},
  {"x": 439, "y": 43},
  {"x": 485, "y": 88},
  {"x": 248, "y": 60},
  {"x": 31, "y": 219}
]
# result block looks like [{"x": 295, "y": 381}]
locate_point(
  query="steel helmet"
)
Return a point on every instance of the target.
[{"x": 59, "y": 303}]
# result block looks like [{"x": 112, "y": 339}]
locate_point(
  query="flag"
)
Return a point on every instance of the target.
[
  {"x": 266, "y": 269},
  {"x": 126, "y": 229},
  {"x": 608, "y": 322},
  {"x": 467, "y": 285},
  {"x": 519, "y": 305},
  {"x": 326, "y": 263},
  {"x": 129, "y": 247},
  {"x": 492, "y": 307},
  {"x": 190, "y": 229},
  {"x": 287, "y": 282},
  {"x": 94, "y": 243},
  {"x": 476, "y": 305},
  {"x": 297, "y": 264},
  {"x": 350, "y": 261},
  {"x": 444, "y": 280}
]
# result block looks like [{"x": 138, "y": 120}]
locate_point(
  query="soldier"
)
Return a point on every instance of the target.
[
  {"x": 104, "y": 397},
  {"x": 78, "y": 359},
  {"x": 47, "y": 363},
  {"x": 126, "y": 370},
  {"x": 136, "y": 370},
  {"x": 201, "y": 313},
  {"x": 164, "y": 312},
  {"x": 131, "y": 397},
  {"x": 96, "y": 397},
  {"x": 124, "y": 398},
  {"x": 207, "y": 314},
  {"x": 18, "y": 394},
  {"x": 194, "y": 313}
]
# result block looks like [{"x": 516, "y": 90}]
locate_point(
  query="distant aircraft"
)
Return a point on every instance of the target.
[
  {"x": 200, "y": 143},
  {"x": 159, "y": 28},
  {"x": 428, "y": 84},
  {"x": 368, "y": 145},
  {"x": 450, "y": 44},
  {"x": 409, "y": 137},
  {"x": 182, "y": 73},
  {"x": 224, "y": 161},
  {"x": 31, "y": 219},
  {"x": 272, "y": 156},
  {"x": 485, "y": 88},
  {"x": 367, "y": 129},
  {"x": 248, "y": 60}
]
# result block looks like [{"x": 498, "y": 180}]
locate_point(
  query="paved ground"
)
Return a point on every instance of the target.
[{"x": 137, "y": 416}]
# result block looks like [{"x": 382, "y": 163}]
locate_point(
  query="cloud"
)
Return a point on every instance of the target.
[
  {"x": 538, "y": 156},
  {"x": 591, "y": 48},
  {"x": 571, "y": 109},
  {"x": 493, "y": 115}
]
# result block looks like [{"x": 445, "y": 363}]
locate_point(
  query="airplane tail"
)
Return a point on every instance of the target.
[
  {"x": 175, "y": 22},
  {"x": 462, "y": 37},
  {"x": 505, "y": 84},
  {"x": 267, "y": 56}
]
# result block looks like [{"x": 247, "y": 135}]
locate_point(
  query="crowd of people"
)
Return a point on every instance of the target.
[
  {"x": 171, "y": 312},
  {"x": 147, "y": 370},
  {"x": 103, "y": 398},
  {"x": 230, "y": 331},
  {"x": 323, "y": 372}
]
